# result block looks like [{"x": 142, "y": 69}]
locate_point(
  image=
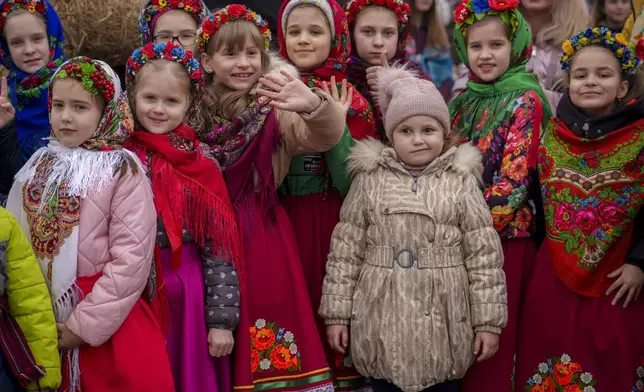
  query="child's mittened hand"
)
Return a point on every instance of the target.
[
  {"x": 67, "y": 340},
  {"x": 345, "y": 99},
  {"x": 220, "y": 342},
  {"x": 630, "y": 279},
  {"x": 487, "y": 344},
  {"x": 338, "y": 337},
  {"x": 7, "y": 111},
  {"x": 291, "y": 95}
]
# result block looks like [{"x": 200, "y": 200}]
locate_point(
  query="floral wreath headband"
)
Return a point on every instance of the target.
[
  {"x": 399, "y": 7},
  {"x": 600, "y": 36},
  {"x": 153, "y": 9},
  {"x": 168, "y": 51},
  {"x": 472, "y": 11},
  {"x": 230, "y": 13},
  {"x": 28, "y": 5},
  {"x": 93, "y": 75}
]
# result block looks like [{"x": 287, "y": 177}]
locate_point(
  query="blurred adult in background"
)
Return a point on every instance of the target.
[
  {"x": 429, "y": 46},
  {"x": 611, "y": 14},
  {"x": 552, "y": 22}
]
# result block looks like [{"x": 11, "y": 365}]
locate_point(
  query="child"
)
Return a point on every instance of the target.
[
  {"x": 415, "y": 264},
  {"x": 87, "y": 207},
  {"x": 314, "y": 36},
  {"x": 26, "y": 318},
  {"x": 551, "y": 22},
  {"x": 611, "y": 14},
  {"x": 197, "y": 235},
  {"x": 31, "y": 49},
  {"x": 589, "y": 272},
  {"x": 254, "y": 133},
  {"x": 378, "y": 29},
  {"x": 429, "y": 46},
  {"x": 502, "y": 112}
]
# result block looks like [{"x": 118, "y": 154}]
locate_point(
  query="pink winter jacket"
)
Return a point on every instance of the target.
[{"x": 116, "y": 237}]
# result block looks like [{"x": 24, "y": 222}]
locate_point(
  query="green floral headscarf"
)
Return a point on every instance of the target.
[{"x": 467, "y": 108}]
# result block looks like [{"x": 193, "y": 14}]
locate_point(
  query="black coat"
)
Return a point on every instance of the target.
[{"x": 10, "y": 157}]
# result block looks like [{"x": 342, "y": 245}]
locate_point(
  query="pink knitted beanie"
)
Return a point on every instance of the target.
[{"x": 402, "y": 95}]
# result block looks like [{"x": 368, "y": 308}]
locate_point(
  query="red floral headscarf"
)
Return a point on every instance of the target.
[{"x": 360, "y": 116}]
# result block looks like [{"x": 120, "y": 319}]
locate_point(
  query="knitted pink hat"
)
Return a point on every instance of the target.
[{"x": 402, "y": 95}]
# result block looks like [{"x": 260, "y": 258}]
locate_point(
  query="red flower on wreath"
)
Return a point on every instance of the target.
[
  {"x": 462, "y": 12},
  {"x": 236, "y": 10},
  {"x": 254, "y": 359},
  {"x": 639, "y": 49},
  {"x": 263, "y": 339},
  {"x": 281, "y": 358},
  {"x": 502, "y": 5}
]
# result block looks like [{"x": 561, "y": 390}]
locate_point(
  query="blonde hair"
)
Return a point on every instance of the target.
[
  {"x": 567, "y": 18},
  {"x": 436, "y": 32},
  {"x": 220, "y": 100}
]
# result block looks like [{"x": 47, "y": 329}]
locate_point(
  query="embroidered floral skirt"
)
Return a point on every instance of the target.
[
  {"x": 277, "y": 346},
  {"x": 495, "y": 374},
  {"x": 313, "y": 218},
  {"x": 193, "y": 368},
  {"x": 576, "y": 343},
  {"x": 134, "y": 359}
]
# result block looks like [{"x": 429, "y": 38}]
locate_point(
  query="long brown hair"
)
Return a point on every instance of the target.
[
  {"x": 220, "y": 100},
  {"x": 567, "y": 17},
  {"x": 436, "y": 32}
]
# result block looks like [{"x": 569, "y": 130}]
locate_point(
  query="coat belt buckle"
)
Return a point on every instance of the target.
[{"x": 409, "y": 258}]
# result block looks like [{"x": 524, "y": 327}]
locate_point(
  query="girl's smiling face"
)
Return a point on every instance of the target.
[
  {"x": 375, "y": 32},
  {"x": 596, "y": 81},
  {"x": 308, "y": 37},
  {"x": 488, "y": 48}
]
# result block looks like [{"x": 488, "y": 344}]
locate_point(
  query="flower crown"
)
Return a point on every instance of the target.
[
  {"x": 232, "y": 12},
  {"x": 29, "y": 5},
  {"x": 168, "y": 51},
  {"x": 471, "y": 11},
  {"x": 604, "y": 37},
  {"x": 402, "y": 9},
  {"x": 91, "y": 75},
  {"x": 193, "y": 7}
]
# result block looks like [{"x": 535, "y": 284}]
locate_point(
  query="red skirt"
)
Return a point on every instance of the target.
[
  {"x": 313, "y": 218},
  {"x": 277, "y": 346},
  {"x": 496, "y": 373},
  {"x": 134, "y": 359},
  {"x": 574, "y": 343}
]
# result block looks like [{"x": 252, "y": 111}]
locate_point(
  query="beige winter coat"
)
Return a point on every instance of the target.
[{"x": 415, "y": 267}]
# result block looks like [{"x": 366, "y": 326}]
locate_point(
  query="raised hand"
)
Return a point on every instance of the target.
[
  {"x": 372, "y": 72},
  {"x": 290, "y": 94},
  {"x": 345, "y": 99},
  {"x": 7, "y": 111}
]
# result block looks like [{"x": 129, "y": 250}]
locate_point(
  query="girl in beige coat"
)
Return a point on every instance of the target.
[{"x": 415, "y": 266}]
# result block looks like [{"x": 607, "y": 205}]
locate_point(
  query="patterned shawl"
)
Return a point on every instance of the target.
[
  {"x": 48, "y": 189},
  {"x": 360, "y": 116},
  {"x": 28, "y": 92},
  {"x": 468, "y": 108}
]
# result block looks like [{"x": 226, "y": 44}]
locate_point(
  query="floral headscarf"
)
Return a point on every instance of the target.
[
  {"x": 153, "y": 9},
  {"x": 28, "y": 92},
  {"x": 508, "y": 87},
  {"x": 360, "y": 118}
]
